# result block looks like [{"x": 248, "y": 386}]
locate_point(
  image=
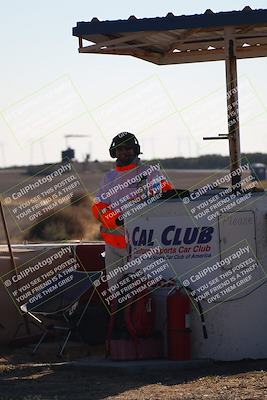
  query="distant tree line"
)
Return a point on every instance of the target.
[{"x": 211, "y": 161}]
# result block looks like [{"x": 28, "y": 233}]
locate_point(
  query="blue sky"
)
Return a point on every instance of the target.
[{"x": 39, "y": 53}]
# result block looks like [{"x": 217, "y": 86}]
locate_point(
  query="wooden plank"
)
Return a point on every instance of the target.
[
  {"x": 219, "y": 44},
  {"x": 187, "y": 57},
  {"x": 201, "y": 45},
  {"x": 192, "y": 56},
  {"x": 251, "y": 35},
  {"x": 245, "y": 29},
  {"x": 136, "y": 53},
  {"x": 204, "y": 39},
  {"x": 251, "y": 52},
  {"x": 182, "y": 39},
  {"x": 112, "y": 42},
  {"x": 91, "y": 49},
  {"x": 251, "y": 41}
]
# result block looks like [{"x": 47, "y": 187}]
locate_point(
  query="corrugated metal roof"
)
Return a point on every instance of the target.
[
  {"x": 177, "y": 39},
  {"x": 170, "y": 21}
]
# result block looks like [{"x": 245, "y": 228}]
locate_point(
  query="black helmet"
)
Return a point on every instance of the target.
[{"x": 124, "y": 139}]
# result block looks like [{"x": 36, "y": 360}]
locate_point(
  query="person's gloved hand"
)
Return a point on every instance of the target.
[{"x": 120, "y": 221}]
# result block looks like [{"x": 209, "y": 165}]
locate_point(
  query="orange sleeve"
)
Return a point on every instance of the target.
[
  {"x": 103, "y": 213},
  {"x": 165, "y": 186}
]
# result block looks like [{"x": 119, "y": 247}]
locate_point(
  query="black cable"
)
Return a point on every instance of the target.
[{"x": 204, "y": 329}]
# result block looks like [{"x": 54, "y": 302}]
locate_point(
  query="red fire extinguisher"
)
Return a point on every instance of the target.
[{"x": 178, "y": 325}]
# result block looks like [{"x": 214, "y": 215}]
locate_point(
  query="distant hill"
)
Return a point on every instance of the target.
[{"x": 210, "y": 161}]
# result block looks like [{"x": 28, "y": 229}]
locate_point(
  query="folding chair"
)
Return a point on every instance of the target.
[{"x": 59, "y": 301}]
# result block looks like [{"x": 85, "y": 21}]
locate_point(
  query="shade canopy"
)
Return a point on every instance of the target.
[
  {"x": 183, "y": 39},
  {"x": 177, "y": 39}
]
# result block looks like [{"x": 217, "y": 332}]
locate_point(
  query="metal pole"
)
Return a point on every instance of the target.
[
  {"x": 232, "y": 102},
  {"x": 13, "y": 264}
]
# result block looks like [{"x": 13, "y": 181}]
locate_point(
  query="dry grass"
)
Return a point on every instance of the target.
[{"x": 75, "y": 222}]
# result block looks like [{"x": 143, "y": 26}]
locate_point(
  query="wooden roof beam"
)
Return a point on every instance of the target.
[
  {"x": 182, "y": 39},
  {"x": 136, "y": 53},
  {"x": 246, "y": 29},
  {"x": 112, "y": 42}
]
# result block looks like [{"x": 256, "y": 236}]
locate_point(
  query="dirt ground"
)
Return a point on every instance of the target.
[{"x": 28, "y": 378}]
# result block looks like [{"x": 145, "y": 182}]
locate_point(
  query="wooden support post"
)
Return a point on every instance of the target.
[{"x": 232, "y": 102}]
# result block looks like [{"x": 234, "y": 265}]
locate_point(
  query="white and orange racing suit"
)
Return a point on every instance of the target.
[{"x": 119, "y": 192}]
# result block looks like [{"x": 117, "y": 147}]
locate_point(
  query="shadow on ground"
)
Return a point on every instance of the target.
[{"x": 24, "y": 377}]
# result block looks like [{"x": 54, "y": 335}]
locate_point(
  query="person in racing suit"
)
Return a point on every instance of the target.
[{"x": 121, "y": 190}]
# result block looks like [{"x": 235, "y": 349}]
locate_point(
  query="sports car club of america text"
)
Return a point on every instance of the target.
[{"x": 175, "y": 241}]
